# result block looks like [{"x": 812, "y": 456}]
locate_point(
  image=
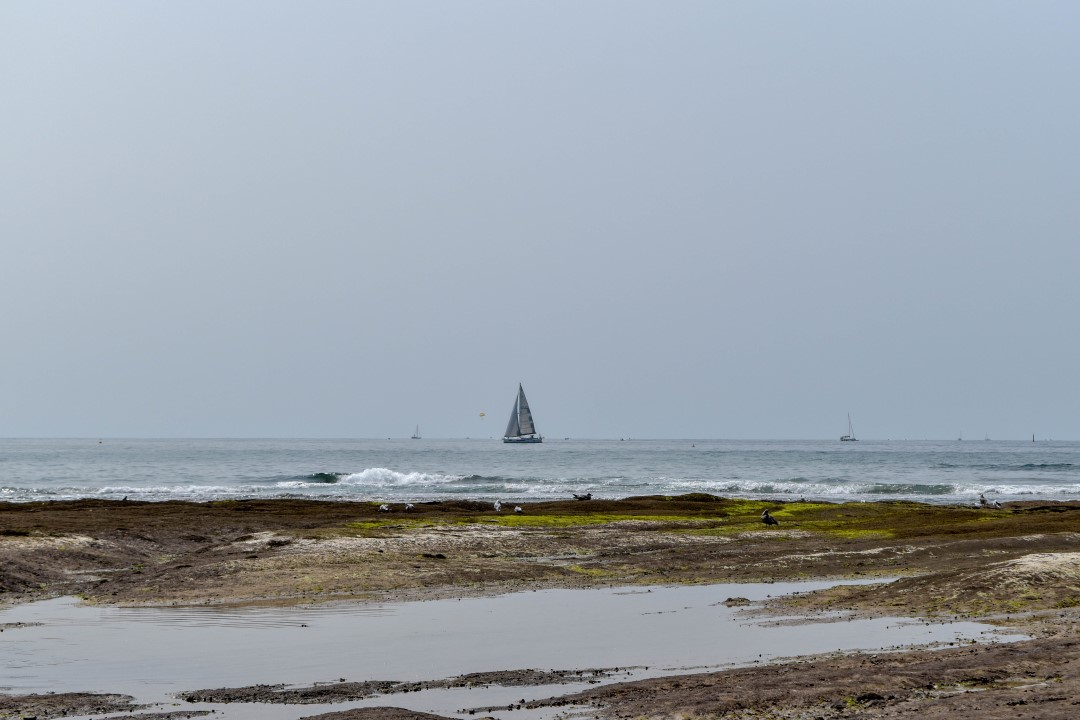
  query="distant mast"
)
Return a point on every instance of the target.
[{"x": 850, "y": 437}]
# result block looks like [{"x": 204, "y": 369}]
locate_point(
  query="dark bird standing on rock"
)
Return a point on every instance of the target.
[
  {"x": 768, "y": 519},
  {"x": 586, "y": 496}
]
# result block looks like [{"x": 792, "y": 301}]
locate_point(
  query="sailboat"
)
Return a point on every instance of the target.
[
  {"x": 850, "y": 437},
  {"x": 416, "y": 433},
  {"x": 520, "y": 429}
]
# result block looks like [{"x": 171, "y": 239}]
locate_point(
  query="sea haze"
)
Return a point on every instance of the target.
[{"x": 406, "y": 470}]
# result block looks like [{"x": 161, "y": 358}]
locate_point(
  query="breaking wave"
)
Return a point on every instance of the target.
[
  {"x": 410, "y": 472},
  {"x": 324, "y": 477}
]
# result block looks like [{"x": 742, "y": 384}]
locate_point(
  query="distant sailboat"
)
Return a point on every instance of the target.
[
  {"x": 416, "y": 433},
  {"x": 521, "y": 429},
  {"x": 850, "y": 437}
]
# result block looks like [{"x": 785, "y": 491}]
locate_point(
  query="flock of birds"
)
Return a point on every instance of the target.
[
  {"x": 766, "y": 517},
  {"x": 409, "y": 507},
  {"x": 498, "y": 505}
]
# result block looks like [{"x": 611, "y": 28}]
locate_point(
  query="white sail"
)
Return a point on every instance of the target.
[{"x": 525, "y": 421}]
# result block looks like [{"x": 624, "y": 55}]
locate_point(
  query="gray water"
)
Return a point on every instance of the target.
[
  {"x": 404, "y": 470},
  {"x": 154, "y": 653}
]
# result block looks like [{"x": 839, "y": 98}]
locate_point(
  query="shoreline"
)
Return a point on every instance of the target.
[{"x": 1018, "y": 567}]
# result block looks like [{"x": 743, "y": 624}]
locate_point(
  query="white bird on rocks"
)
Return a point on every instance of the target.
[
  {"x": 384, "y": 508},
  {"x": 408, "y": 507},
  {"x": 498, "y": 506},
  {"x": 518, "y": 510}
]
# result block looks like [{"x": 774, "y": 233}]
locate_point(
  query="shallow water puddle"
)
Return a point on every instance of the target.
[{"x": 154, "y": 653}]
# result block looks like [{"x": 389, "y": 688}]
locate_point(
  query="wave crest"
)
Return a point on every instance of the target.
[{"x": 384, "y": 477}]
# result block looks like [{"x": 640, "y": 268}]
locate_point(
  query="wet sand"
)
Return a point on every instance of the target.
[{"x": 1018, "y": 566}]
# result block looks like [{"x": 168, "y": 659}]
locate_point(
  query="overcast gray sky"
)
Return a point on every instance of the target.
[{"x": 665, "y": 219}]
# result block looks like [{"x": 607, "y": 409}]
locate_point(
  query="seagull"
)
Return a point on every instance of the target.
[
  {"x": 518, "y": 510},
  {"x": 982, "y": 500},
  {"x": 384, "y": 508},
  {"x": 586, "y": 496},
  {"x": 498, "y": 506},
  {"x": 408, "y": 507},
  {"x": 768, "y": 519}
]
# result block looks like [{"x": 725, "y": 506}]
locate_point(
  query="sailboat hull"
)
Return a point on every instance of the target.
[{"x": 534, "y": 439}]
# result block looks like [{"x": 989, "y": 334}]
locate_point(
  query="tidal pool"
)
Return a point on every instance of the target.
[{"x": 154, "y": 653}]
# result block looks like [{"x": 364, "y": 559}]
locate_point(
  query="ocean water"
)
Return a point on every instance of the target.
[{"x": 404, "y": 470}]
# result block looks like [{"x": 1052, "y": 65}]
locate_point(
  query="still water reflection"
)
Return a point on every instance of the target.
[{"x": 153, "y": 653}]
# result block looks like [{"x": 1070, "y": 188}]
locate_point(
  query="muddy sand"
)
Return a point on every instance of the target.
[{"x": 1018, "y": 566}]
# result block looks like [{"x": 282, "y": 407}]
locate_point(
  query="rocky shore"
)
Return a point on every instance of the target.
[{"x": 1017, "y": 566}]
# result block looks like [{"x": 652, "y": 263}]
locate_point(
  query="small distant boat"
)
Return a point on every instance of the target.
[
  {"x": 850, "y": 437},
  {"x": 416, "y": 433},
  {"x": 521, "y": 429}
]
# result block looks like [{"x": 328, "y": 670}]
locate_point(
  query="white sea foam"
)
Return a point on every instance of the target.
[
  {"x": 1041, "y": 490},
  {"x": 384, "y": 477},
  {"x": 173, "y": 490}
]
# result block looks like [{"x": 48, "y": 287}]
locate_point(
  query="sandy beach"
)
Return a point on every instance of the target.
[{"x": 1017, "y": 567}]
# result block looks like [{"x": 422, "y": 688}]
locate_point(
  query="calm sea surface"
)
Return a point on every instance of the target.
[{"x": 416, "y": 470}]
